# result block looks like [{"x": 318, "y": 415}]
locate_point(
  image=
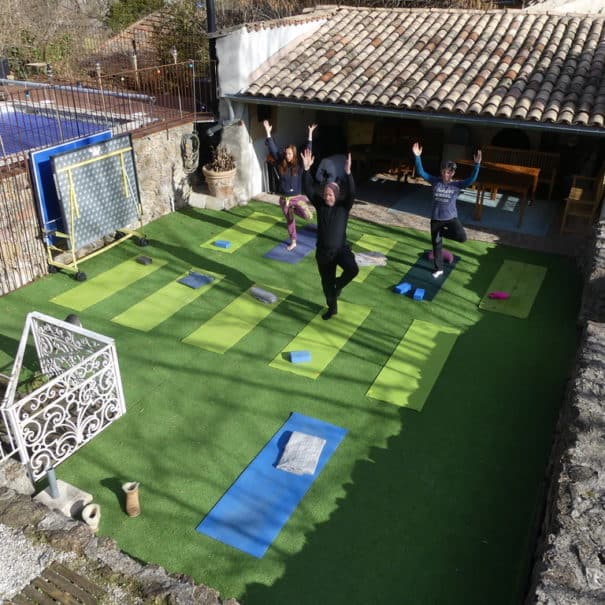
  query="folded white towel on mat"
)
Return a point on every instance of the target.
[
  {"x": 301, "y": 454},
  {"x": 365, "y": 259}
]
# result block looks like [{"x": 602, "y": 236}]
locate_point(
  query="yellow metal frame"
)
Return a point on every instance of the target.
[{"x": 75, "y": 213}]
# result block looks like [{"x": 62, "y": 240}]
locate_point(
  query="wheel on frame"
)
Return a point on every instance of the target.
[
  {"x": 143, "y": 241},
  {"x": 53, "y": 269},
  {"x": 80, "y": 276}
]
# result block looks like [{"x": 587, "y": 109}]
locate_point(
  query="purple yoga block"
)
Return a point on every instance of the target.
[
  {"x": 300, "y": 356},
  {"x": 403, "y": 288},
  {"x": 419, "y": 294},
  {"x": 222, "y": 243}
]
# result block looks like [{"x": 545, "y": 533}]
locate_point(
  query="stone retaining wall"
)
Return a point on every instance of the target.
[
  {"x": 570, "y": 558},
  {"x": 52, "y": 536}
]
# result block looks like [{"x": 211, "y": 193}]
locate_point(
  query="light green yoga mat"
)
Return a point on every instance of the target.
[
  {"x": 522, "y": 281},
  {"x": 162, "y": 304},
  {"x": 233, "y": 322},
  {"x": 323, "y": 339},
  {"x": 242, "y": 232},
  {"x": 372, "y": 243},
  {"x": 408, "y": 376},
  {"x": 105, "y": 284}
]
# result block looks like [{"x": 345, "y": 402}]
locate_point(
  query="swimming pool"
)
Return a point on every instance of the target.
[{"x": 22, "y": 129}]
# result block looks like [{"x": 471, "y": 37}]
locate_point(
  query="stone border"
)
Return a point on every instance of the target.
[
  {"x": 54, "y": 536},
  {"x": 570, "y": 555}
]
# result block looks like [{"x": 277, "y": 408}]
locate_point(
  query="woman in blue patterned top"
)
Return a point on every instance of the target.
[
  {"x": 444, "y": 214},
  {"x": 289, "y": 169}
]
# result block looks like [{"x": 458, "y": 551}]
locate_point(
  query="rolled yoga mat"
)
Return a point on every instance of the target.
[
  {"x": 232, "y": 323},
  {"x": 162, "y": 304},
  {"x": 242, "y": 232},
  {"x": 410, "y": 373},
  {"x": 323, "y": 339},
  {"x": 372, "y": 243},
  {"x": 521, "y": 281},
  {"x": 252, "y": 512},
  {"x": 105, "y": 284}
]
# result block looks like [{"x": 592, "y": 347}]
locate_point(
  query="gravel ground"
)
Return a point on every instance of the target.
[{"x": 21, "y": 561}]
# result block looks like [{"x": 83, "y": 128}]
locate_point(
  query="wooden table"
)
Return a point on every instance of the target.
[{"x": 510, "y": 177}]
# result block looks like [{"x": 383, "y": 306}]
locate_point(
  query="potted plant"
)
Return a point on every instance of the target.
[{"x": 220, "y": 172}]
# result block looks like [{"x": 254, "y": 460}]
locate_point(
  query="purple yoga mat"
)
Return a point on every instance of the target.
[{"x": 305, "y": 243}]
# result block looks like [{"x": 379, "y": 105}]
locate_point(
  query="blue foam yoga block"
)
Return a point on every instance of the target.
[
  {"x": 300, "y": 356},
  {"x": 419, "y": 294},
  {"x": 402, "y": 288},
  {"x": 222, "y": 243}
]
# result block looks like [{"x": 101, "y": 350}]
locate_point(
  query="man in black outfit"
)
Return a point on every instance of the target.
[{"x": 332, "y": 216}]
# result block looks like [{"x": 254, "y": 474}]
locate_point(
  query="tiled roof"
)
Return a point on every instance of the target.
[{"x": 500, "y": 64}]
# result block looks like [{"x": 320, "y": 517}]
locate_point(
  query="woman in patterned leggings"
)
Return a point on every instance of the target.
[{"x": 289, "y": 169}]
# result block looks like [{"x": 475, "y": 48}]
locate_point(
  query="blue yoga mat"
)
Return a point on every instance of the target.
[
  {"x": 254, "y": 509},
  {"x": 306, "y": 239},
  {"x": 196, "y": 280},
  {"x": 420, "y": 276}
]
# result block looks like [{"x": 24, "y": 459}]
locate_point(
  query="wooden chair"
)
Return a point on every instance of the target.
[{"x": 583, "y": 202}]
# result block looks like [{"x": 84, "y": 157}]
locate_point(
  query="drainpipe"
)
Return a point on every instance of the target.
[{"x": 211, "y": 28}]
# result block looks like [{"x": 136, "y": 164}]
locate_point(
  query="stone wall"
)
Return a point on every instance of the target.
[
  {"x": 162, "y": 160},
  {"x": 570, "y": 557},
  {"x": 34, "y": 536}
]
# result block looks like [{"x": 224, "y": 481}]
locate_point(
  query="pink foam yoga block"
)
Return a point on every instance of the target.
[
  {"x": 499, "y": 295},
  {"x": 448, "y": 257}
]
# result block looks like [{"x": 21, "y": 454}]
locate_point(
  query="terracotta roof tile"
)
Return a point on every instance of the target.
[{"x": 511, "y": 64}]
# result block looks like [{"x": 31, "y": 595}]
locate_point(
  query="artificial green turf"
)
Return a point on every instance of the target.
[
  {"x": 163, "y": 303},
  {"x": 105, "y": 284},
  {"x": 322, "y": 340},
  {"x": 233, "y": 322},
  {"x": 242, "y": 232},
  {"x": 412, "y": 370},
  {"x": 522, "y": 281},
  {"x": 437, "y": 507}
]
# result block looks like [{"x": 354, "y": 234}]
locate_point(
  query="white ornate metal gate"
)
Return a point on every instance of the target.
[{"x": 83, "y": 394}]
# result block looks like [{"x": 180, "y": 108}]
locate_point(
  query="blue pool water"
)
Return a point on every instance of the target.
[{"x": 22, "y": 130}]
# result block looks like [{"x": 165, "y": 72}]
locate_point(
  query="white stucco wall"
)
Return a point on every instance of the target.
[{"x": 240, "y": 54}]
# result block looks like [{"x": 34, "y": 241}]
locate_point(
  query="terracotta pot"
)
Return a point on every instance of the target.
[
  {"x": 131, "y": 489},
  {"x": 220, "y": 184}
]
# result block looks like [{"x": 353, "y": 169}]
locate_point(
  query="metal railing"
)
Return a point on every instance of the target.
[
  {"x": 38, "y": 114},
  {"x": 80, "y": 396}
]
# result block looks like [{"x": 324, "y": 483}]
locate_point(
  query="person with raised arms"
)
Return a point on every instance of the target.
[
  {"x": 333, "y": 207},
  {"x": 444, "y": 213}
]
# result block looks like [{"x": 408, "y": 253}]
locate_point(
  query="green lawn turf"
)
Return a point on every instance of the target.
[{"x": 432, "y": 507}]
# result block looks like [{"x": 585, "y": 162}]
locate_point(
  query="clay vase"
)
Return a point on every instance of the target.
[
  {"x": 131, "y": 489},
  {"x": 91, "y": 515}
]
